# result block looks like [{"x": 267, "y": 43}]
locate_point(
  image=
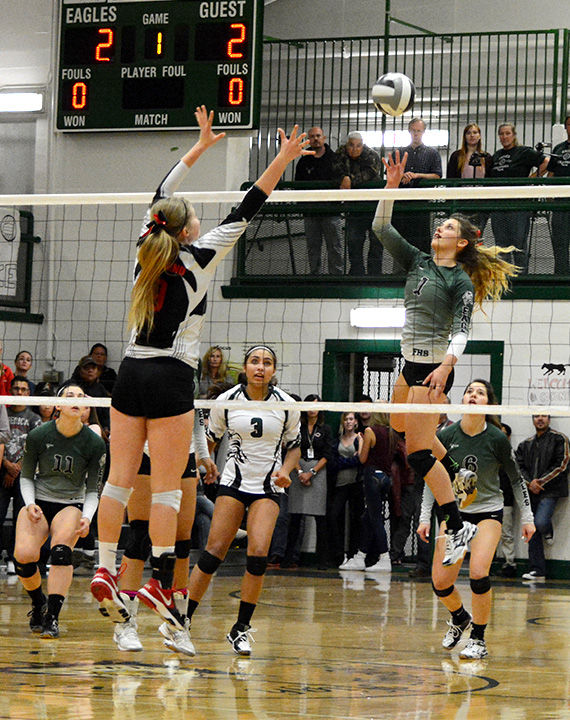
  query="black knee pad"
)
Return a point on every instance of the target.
[
  {"x": 421, "y": 461},
  {"x": 138, "y": 542},
  {"x": 480, "y": 585},
  {"x": 61, "y": 555},
  {"x": 25, "y": 570},
  {"x": 182, "y": 549},
  {"x": 443, "y": 593},
  {"x": 208, "y": 563},
  {"x": 256, "y": 565}
]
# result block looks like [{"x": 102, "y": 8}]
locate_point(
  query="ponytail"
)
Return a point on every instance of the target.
[
  {"x": 489, "y": 273},
  {"x": 158, "y": 249}
]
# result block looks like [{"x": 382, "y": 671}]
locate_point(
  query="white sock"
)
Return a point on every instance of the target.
[
  {"x": 108, "y": 556},
  {"x": 181, "y": 601},
  {"x": 158, "y": 550}
]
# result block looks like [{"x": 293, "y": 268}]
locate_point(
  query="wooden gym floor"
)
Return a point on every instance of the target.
[{"x": 329, "y": 645}]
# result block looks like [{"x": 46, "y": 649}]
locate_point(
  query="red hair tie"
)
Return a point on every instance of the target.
[{"x": 159, "y": 220}]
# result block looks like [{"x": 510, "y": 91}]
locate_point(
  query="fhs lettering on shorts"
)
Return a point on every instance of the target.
[{"x": 419, "y": 352}]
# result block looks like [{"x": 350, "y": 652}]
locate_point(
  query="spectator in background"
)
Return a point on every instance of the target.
[
  {"x": 471, "y": 162},
  {"x": 45, "y": 412},
  {"x": 460, "y": 163},
  {"x": 543, "y": 460},
  {"x": 347, "y": 490},
  {"x": 23, "y": 364},
  {"x": 214, "y": 371},
  {"x": 86, "y": 375},
  {"x": 511, "y": 227},
  {"x": 6, "y": 375},
  {"x": 22, "y": 420},
  {"x": 359, "y": 164},
  {"x": 308, "y": 489},
  {"x": 322, "y": 166},
  {"x": 107, "y": 376},
  {"x": 559, "y": 166},
  {"x": 424, "y": 163}
]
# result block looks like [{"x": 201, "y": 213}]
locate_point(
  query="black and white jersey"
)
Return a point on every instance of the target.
[
  {"x": 256, "y": 439},
  {"x": 181, "y": 302}
]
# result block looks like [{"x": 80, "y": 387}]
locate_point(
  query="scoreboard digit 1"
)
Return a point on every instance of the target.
[{"x": 147, "y": 64}]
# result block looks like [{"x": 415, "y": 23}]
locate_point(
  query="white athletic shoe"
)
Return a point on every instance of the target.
[
  {"x": 457, "y": 543},
  {"x": 178, "y": 640},
  {"x": 356, "y": 562},
  {"x": 453, "y": 635},
  {"x": 240, "y": 640},
  {"x": 474, "y": 650},
  {"x": 126, "y": 634},
  {"x": 383, "y": 564}
]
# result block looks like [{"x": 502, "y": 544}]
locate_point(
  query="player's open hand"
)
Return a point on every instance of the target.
[
  {"x": 395, "y": 169},
  {"x": 293, "y": 146},
  {"x": 205, "y": 121}
]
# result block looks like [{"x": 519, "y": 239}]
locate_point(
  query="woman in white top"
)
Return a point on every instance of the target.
[
  {"x": 152, "y": 398},
  {"x": 254, "y": 477}
]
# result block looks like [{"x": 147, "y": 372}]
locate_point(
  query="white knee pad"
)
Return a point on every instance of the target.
[
  {"x": 121, "y": 494},
  {"x": 172, "y": 498}
]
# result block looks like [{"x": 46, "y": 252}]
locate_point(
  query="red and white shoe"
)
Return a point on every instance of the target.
[
  {"x": 105, "y": 590},
  {"x": 161, "y": 600}
]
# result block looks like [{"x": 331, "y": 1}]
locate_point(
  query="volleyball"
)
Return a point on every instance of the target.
[{"x": 393, "y": 93}]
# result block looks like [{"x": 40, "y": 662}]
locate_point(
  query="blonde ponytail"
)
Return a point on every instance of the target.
[{"x": 159, "y": 247}]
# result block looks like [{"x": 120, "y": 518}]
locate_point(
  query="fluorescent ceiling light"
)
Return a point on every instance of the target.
[
  {"x": 21, "y": 102},
  {"x": 378, "y": 317},
  {"x": 401, "y": 138}
]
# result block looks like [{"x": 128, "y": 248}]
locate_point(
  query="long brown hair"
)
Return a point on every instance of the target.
[
  {"x": 158, "y": 250},
  {"x": 489, "y": 274},
  {"x": 463, "y": 149}
]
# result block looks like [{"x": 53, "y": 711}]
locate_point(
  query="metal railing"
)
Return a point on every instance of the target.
[{"x": 481, "y": 77}]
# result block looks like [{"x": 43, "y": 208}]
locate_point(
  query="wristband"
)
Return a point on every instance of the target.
[{"x": 313, "y": 472}]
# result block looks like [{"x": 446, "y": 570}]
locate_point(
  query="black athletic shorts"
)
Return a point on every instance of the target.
[
  {"x": 246, "y": 498},
  {"x": 190, "y": 470},
  {"x": 51, "y": 509},
  {"x": 476, "y": 518},
  {"x": 416, "y": 373},
  {"x": 154, "y": 387}
]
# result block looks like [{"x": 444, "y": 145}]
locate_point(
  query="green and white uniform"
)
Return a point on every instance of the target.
[
  {"x": 61, "y": 469},
  {"x": 438, "y": 300},
  {"x": 483, "y": 454}
]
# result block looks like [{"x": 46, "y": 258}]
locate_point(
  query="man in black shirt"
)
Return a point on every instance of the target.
[
  {"x": 321, "y": 166},
  {"x": 543, "y": 460}
]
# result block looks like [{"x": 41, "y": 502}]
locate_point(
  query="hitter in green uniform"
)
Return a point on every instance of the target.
[
  {"x": 441, "y": 291},
  {"x": 476, "y": 444},
  {"x": 63, "y": 462}
]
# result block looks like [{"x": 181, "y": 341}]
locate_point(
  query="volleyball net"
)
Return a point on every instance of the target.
[{"x": 67, "y": 264}]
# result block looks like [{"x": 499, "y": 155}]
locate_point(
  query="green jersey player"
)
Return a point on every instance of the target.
[
  {"x": 62, "y": 466},
  {"x": 441, "y": 292},
  {"x": 479, "y": 446}
]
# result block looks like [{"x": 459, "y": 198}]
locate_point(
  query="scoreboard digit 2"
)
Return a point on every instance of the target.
[{"x": 147, "y": 64}]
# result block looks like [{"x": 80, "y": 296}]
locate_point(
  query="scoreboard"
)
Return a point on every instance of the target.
[{"x": 147, "y": 64}]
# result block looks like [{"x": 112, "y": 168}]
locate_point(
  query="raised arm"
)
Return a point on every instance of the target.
[{"x": 292, "y": 147}]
